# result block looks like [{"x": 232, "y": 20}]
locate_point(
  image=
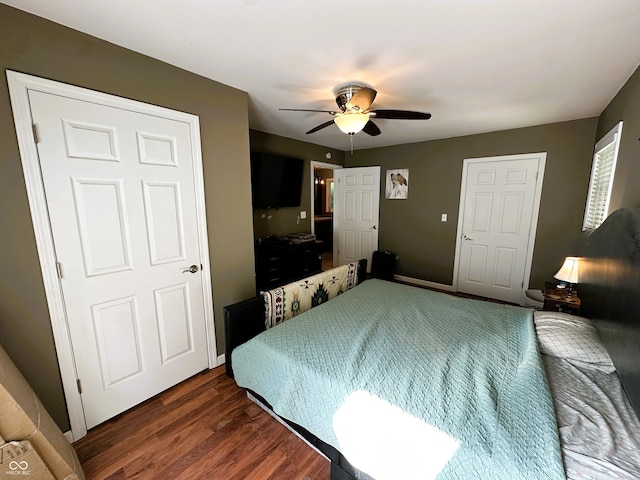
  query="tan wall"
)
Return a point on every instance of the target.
[
  {"x": 38, "y": 47},
  {"x": 426, "y": 246},
  {"x": 626, "y": 107},
  {"x": 285, "y": 220}
]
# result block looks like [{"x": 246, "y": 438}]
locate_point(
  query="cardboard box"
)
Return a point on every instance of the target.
[
  {"x": 20, "y": 460},
  {"x": 24, "y": 418}
]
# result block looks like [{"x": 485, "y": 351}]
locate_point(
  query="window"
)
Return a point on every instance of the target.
[{"x": 602, "y": 172}]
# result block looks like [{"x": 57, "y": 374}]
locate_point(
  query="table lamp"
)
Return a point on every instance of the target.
[{"x": 568, "y": 273}]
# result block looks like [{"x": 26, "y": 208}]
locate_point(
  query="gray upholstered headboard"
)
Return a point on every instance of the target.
[{"x": 610, "y": 292}]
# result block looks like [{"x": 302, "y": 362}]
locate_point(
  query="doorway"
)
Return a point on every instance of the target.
[
  {"x": 116, "y": 193},
  {"x": 357, "y": 207},
  {"x": 499, "y": 203},
  {"x": 322, "y": 197}
]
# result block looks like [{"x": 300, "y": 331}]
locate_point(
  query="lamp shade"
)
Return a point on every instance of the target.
[
  {"x": 351, "y": 122},
  {"x": 569, "y": 270}
]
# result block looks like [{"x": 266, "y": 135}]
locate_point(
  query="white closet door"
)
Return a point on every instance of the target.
[{"x": 121, "y": 197}]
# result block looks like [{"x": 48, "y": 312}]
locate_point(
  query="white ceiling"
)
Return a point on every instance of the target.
[{"x": 476, "y": 66}]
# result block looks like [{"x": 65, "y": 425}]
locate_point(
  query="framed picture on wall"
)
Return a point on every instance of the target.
[{"x": 397, "y": 184}]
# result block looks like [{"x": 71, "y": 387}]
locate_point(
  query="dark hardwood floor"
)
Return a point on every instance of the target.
[
  {"x": 203, "y": 428},
  {"x": 327, "y": 261}
]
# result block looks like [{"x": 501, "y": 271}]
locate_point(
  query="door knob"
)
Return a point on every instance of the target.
[
  {"x": 191, "y": 269},
  {"x": 467, "y": 237}
]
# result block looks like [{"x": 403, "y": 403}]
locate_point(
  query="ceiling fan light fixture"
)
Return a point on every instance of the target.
[
  {"x": 354, "y": 115},
  {"x": 351, "y": 122}
]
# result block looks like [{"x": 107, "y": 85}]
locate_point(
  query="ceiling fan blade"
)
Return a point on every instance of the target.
[
  {"x": 400, "y": 114},
  {"x": 371, "y": 129},
  {"x": 332, "y": 112},
  {"x": 321, "y": 126},
  {"x": 362, "y": 99}
]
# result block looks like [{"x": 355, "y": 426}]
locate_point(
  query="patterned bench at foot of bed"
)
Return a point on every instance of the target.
[
  {"x": 286, "y": 302},
  {"x": 246, "y": 319}
]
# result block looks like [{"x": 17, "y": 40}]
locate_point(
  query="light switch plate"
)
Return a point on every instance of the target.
[
  {"x": 303, "y": 214},
  {"x": 444, "y": 217}
]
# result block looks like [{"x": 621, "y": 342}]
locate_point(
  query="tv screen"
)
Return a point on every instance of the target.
[{"x": 276, "y": 181}]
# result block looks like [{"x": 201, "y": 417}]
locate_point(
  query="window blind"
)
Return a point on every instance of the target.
[{"x": 602, "y": 172}]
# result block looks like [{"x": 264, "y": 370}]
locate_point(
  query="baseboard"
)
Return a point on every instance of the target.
[
  {"x": 220, "y": 360},
  {"x": 424, "y": 283}
]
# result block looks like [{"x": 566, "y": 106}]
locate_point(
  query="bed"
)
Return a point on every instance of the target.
[{"x": 393, "y": 381}]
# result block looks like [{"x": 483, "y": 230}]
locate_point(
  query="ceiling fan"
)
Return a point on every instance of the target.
[{"x": 354, "y": 114}]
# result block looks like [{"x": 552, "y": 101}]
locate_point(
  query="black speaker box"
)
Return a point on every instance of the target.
[{"x": 383, "y": 264}]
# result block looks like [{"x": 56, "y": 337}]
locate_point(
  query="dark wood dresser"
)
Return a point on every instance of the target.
[{"x": 280, "y": 261}]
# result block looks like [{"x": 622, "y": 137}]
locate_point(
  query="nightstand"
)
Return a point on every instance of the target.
[{"x": 555, "y": 299}]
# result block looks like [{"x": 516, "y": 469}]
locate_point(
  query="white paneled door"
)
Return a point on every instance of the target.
[
  {"x": 121, "y": 199},
  {"x": 499, "y": 206},
  {"x": 356, "y": 213}
]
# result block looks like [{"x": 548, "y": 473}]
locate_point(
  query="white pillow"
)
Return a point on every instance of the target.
[{"x": 573, "y": 338}]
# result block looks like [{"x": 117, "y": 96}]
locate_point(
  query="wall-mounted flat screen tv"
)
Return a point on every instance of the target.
[{"x": 276, "y": 181}]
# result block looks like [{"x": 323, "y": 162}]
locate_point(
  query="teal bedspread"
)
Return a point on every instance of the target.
[{"x": 398, "y": 377}]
